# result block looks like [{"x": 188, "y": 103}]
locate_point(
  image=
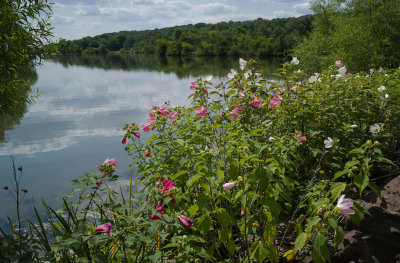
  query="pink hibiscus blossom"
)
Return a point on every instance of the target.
[
  {"x": 275, "y": 102},
  {"x": 173, "y": 115},
  {"x": 193, "y": 87},
  {"x": 147, "y": 153},
  {"x": 124, "y": 140},
  {"x": 104, "y": 228},
  {"x": 201, "y": 112},
  {"x": 345, "y": 204},
  {"x": 137, "y": 134},
  {"x": 185, "y": 221},
  {"x": 146, "y": 127},
  {"x": 111, "y": 162},
  {"x": 300, "y": 138},
  {"x": 257, "y": 103},
  {"x": 228, "y": 186},
  {"x": 163, "y": 110},
  {"x": 206, "y": 91},
  {"x": 235, "y": 111},
  {"x": 338, "y": 63}
]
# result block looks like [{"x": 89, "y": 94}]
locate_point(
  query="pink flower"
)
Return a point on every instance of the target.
[
  {"x": 228, "y": 186},
  {"x": 173, "y": 115},
  {"x": 137, "y": 134},
  {"x": 241, "y": 94},
  {"x": 160, "y": 207},
  {"x": 152, "y": 115},
  {"x": 100, "y": 182},
  {"x": 124, "y": 140},
  {"x": 111, "y": 162},
  {"x": 201, "y": 112},
  {"x": 345, "y": 204},
  {"x": 320, "y": 211},
  {"x": 104, "y": 228},
  {"x": 193, "y": 87},
  {"x": 275, "y": 102},
  {"x": 146, "y": 127},
  {"x": 155, "y": 217},
  {"x": 167, "y": 184},
  {"x": 163, "y": 110},
  {"x": 257, "y": 103},
  {"x": 173, "y": 122},
  {"x": 185, "y": 221},
  {"x": 158, "y": 182},
  {"x": 338, "y": 63},
  {"x": 205, "y": 91},
  {"x": 235, "y": 113},
  {"x": 147, "y": 153},
  {"x": 300, "y": 138},
  {"x": 380, "y": 69}
]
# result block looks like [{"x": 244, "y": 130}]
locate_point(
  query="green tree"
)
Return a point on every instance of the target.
[
  {"x": 360, "y": 33},
  {"x": 25, "y": 33}
]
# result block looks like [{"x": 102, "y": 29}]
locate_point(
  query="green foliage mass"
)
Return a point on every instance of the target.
[
  {"x": 25, "y": 32},
  {"x": 258, "y": 37},
  {"x": 290, "y": 148},
  {"x": 360, "y": 33}
]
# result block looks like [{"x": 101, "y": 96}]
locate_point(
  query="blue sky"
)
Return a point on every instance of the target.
[{"x": 74, "y": 19}]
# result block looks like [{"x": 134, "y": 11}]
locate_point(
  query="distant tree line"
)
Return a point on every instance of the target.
[{"x": 260, "y": 37}]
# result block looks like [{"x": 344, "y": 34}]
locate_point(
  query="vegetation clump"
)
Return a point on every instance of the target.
[{"x": 254, "y": 169}]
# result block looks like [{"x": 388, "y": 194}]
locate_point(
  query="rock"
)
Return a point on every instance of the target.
[
  {"x": 353, "y": 248},
  {"x": 391, "y": 196}
]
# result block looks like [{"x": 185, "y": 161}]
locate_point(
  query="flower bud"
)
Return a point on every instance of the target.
[
  {"x": 255, "y": 224},
  {"x": 320, "y": 211}
]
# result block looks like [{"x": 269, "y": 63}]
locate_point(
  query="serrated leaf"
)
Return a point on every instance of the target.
[
  {"x": 340, "y": 173},
  {"x": 351, "y": 163},
  {"x": 312, "y": 221},
  {"x": 203, "y": 224},
  {"x": 193, "y": 210},
  {"x": 337, "y": 189},
  {"x": 361, "y": 181},
  {"x": 320, "y": 249},
  {"x": 300, "y": 241},
  {"x": 258, "y": 251},
  {"x": 339, "y": 233}
]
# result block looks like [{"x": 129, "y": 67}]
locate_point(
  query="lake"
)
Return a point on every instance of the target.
[{"x": 76, "y": 122}]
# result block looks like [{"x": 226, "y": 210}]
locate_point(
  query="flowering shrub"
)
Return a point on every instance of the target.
[{"x": 253, "y": 170}]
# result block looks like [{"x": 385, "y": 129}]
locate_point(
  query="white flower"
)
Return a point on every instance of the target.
[
  {"x": 242, "y": 63},
  {"x": 312, "y": 79},
  {"x": 247, "y": 74},
  {"x": 353, "y": 126},
  {"x": 342, "y": 72},
  {"x": 381, "y": 88},
  {"x": 374, "y": 128},
  {"x": 257, "y": 77},
  {"x": 209, "y": 78},
  {"x": 232, "y": 74},
  {"x": 295, "y": 61},
  {"x": 271, "y": 139},
  {"x": 386, "y": 96},
  {"x": 328, "y": 142}
]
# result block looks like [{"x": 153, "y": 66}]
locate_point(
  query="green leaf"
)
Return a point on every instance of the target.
[
  {"x": 332, "y": 222},
  {"x": 193, "y": 179},
  {"x": 258, "y": 251},
  {"x": 221, "y": 174},
  {"x": 337, "y": 189},
  {"x": 320, "y": 251},
  {"x": 384, "y": 160},
  {"x": 340, "y": 173},
  {"x": 300, "y": 241},
  {"x": 224, "y": 234},
  {"x": 201, "y": 252},
  {"x": 193, "y": 210},
  {"x": 350, "y": 164},
  {"x": 339, "y": 233},
  {"x": 223, "y": 217},
  {"x": 312, "y": 221},
  {"x": 357, "y": 151},
  {"x": 361, "y": 181},
  {"x": 170, "y": 245},
  {"x": 375, "y": 188},
  {"x": 202, "y": 201},
  {"x": 203, "y": 224}
]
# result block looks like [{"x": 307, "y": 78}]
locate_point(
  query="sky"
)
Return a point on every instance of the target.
[{"x": 74, "y": 19}]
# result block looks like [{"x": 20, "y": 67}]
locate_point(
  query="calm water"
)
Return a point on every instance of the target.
[{"x": 76, "y": 122}]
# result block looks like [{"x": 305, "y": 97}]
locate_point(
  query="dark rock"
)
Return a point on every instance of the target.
[
  {"x": 353, "y": 248},
  {"x": 391, "y": 196}
]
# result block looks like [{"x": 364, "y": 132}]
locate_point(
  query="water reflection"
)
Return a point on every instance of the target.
[{"x": 183, "y": 67}]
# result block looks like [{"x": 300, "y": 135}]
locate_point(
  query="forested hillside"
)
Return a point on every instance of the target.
[{"x": 259, "y": 37}]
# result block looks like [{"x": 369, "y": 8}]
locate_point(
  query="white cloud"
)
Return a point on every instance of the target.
[
  {"x": 297, "y": 10},
  {"x": 215, "y": 8},
  {"x": 62, "y": 20}
]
